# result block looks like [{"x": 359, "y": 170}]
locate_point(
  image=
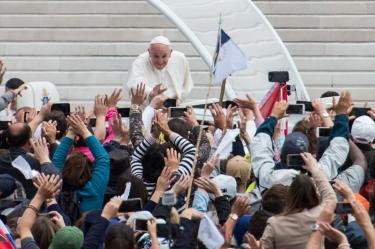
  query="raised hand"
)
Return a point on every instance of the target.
[
  {"x": 164, "y": 180},
  {"x": 181, "y": 185},
  {"x": 231, "y": 110},
  {"x": 120, "y": 131},
  {"x": 279, "y": 109},
  {"x": 172, "y": 160},
  {"x": 161, "y": 121},
  {"x": 78, "y": 125},
  {"x": 209, "y": 166},
  {"x": 189, "y": 116},
  {"x": 208, "y": 185},
  {"x": 81, "y": 112},
  {"x": 57, "y": 218},
  {"x": 41, "y": 151},
  {"x": 157, "y": 90},
  {"x": 114, "y": 98},
  {"x": 344, "y": 190},
  {"x": 100, "y": 107},
  {"x": 344, "y": 104},
  {"x": 311, "y": 165},
  {"x": 241, "y": 205},
  {"x": 110, "y": 210},
  {"x": 19, "y": 89},
  {"x": 48, "y": 186},
  {"x": 158, "y": 102},
  {"x": 138, "y": 96},
  {"x": 331, "y": 233},
  {"x": 248, "y": 103},
  {"x": 49, "y": 131},
  {"x": 218, "y": 115}
]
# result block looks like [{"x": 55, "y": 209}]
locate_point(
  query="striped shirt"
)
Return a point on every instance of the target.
[{"x": 186, "y": 148}]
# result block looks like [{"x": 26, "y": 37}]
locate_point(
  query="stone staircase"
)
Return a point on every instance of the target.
[{"x": 86, "y": 47}]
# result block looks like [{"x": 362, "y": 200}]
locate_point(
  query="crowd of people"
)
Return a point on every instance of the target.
[{"x": 158, "y": 182}]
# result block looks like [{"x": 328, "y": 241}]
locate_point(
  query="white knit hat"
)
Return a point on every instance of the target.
[{"x": 160, "y": 40}]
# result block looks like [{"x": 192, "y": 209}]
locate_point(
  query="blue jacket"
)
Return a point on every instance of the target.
[{"x": 92, "y": 194}]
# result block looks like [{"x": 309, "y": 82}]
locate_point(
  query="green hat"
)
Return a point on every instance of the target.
[{"x": 67, "y": 238}]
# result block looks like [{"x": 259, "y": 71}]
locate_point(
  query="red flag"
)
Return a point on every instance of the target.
[{"x": 276, "y": 93}]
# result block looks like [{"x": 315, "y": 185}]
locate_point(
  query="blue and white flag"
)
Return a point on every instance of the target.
[{"x": 228, "y": 58}]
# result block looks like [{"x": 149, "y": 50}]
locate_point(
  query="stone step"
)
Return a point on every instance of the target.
[
  {"x": 331, "y": 49},
  {"x": 77, "y": 7},
  {"x": 82, "y": 63},
  {"x": 316, "y": 7},
  {"x": 84, "y": 21},
  {"x": 84, "y": 48},
  {"x": 327, "y": 35},
  {"x": 88, "y": 34},
  {"x": 88, "y": 78},
  {"x": 322, "y": 21}
]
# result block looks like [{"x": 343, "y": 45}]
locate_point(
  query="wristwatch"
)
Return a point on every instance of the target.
[
  {"x": 233, "y": 216},
  {"x": 315, "y": 227},
  {"x": 134, "y": 107}
]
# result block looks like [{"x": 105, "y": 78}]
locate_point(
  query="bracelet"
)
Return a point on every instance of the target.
[
  {"x": 343, "y": 245},
  {"x": 33, "y": 208}
]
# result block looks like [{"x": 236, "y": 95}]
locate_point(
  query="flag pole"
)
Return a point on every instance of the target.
[
  {"x": 199, "y": 141},
  {"x": 210, "y": 85},
  {"x": 222, "y": 91}
]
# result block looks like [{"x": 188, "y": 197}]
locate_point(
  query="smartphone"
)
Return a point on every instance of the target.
[
  {"x": 4, "y": 125},
  {"x": 162, "y": 230},
  {"x": 176, "y": 112},
  {"x": 64, "y": 107},
  {"x": 308, "y": 105},
  {"x": 278, "y": 76},
  {"x": 228, "y": 103},
  {"x": 296, "y": 109},
  {"x": 131, "y": 205},
  {"x": 92, "y": 122},
  {"x": 332, "y": 182},
  {"x": 343, "y": 208},
  {"x": 323, "y": 132},
  {"x": 360, "y": 111},
  {"x": 170, "y": 103},
  {"x": 140, "y": 225},
  {"x": 294, "y": 161},
  {"x": 124, "y": 112}
]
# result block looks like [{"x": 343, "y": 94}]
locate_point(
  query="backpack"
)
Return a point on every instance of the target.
[{"x": 69, "y": 202}]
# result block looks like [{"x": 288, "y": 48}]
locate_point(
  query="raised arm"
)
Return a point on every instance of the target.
[
  {"x": 135, "y": 117},
  {"x": 187, "y": 149},
  {"x": 337, "y": 151},
  {"x": 63, "y": 149},
  {"x": 139, "y": 152},
  {"x": 100, "y": 111},
  {"x": 262, "y": 153}
]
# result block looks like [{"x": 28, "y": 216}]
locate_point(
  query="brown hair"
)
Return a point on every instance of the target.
[
  {"x": 275, "y": 198},
  {"x": 301, "y": 195},
  {"x": 43, "y": 231},
  {"x": 77, "y": 170},
  {"x": 304, "y": 127}
]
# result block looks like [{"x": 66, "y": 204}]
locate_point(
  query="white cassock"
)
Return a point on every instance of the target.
[{"x": 175, "y": 76}]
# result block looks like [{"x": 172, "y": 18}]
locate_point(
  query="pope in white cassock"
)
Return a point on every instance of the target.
[{"x": 162, "y": 65}]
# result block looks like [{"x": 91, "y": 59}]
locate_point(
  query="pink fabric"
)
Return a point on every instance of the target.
[
  {"x": 85, "y": 151},
  {"x": 110, "y": 113}
]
